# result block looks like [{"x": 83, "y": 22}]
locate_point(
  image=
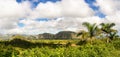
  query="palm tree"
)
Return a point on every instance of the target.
[
  {"x": 107, "y": 29},
  {"x": 91, "y": 28},
  {"x": 92, "y": 31}
]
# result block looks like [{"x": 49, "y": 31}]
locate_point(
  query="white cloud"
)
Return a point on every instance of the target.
[
  {"x": 54, "y": 26},
  {"x": 115, "y": 19},
  {"x": 10, "y": 8},
  {"x": 11, "y": 12},
  {"x": 77, "y": 8},
  {"x": 49, "y": 10},
  {"x": 71, "y": 14},
  {"x": 109, "y": 7},
  {"x": 65, "y": 8},
  {"x": 66, "y": 23}
]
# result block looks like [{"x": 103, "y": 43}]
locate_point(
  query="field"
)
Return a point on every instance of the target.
[{"x": 59, "y": 48}]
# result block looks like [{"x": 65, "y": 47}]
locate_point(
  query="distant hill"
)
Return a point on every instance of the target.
[{"x": 59, "y": 35}]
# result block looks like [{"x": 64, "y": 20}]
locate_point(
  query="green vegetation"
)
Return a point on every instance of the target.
[
  {"x": 96, "y": 42},
  {"x": 92, "y": 29},
  {"x": 59, "y": 48}
]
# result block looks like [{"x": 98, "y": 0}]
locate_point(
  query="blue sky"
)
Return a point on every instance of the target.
[
  {"x": 95, "y": 8},
  {"x": 34, "y": 4}
]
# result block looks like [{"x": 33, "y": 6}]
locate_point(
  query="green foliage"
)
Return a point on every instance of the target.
[
  {"x": 97, "y": 49},
  {"x": 116, "y": 44},
  {"x": 92, "y": 29},
  {"x": 106, "y": 27},
  {"x": 8, "y": 51}
]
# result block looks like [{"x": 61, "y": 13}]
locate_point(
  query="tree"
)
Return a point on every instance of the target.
[
  {"x": 107, "y": 29},
  {"x": 92, "y": 29}
]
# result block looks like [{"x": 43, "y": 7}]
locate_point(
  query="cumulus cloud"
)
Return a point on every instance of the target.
[
  {"x": 62, "y": 24},
  {"x": 115, "y": 19},
  {"x": 11, "y": 12},
  {"x": 65, "y": 8},
  {"x": 69, "y": 15},
  {"x": 46, "y": 10},
  {"x": 54, "y": 26},
  {"x": 77, "y": 8},
  {"x": 10, "y": 8},
  {"x": 109, "y": 7}
]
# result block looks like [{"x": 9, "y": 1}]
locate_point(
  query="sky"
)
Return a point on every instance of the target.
[{"x": 52, "y": 16}]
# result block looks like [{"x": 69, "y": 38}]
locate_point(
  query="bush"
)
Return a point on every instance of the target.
[
  {"x": 116, "y": 44},
  {"x": 8, "y": 51}
]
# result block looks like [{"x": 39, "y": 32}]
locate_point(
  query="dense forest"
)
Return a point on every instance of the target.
[{"x": 98, "y": 41}]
